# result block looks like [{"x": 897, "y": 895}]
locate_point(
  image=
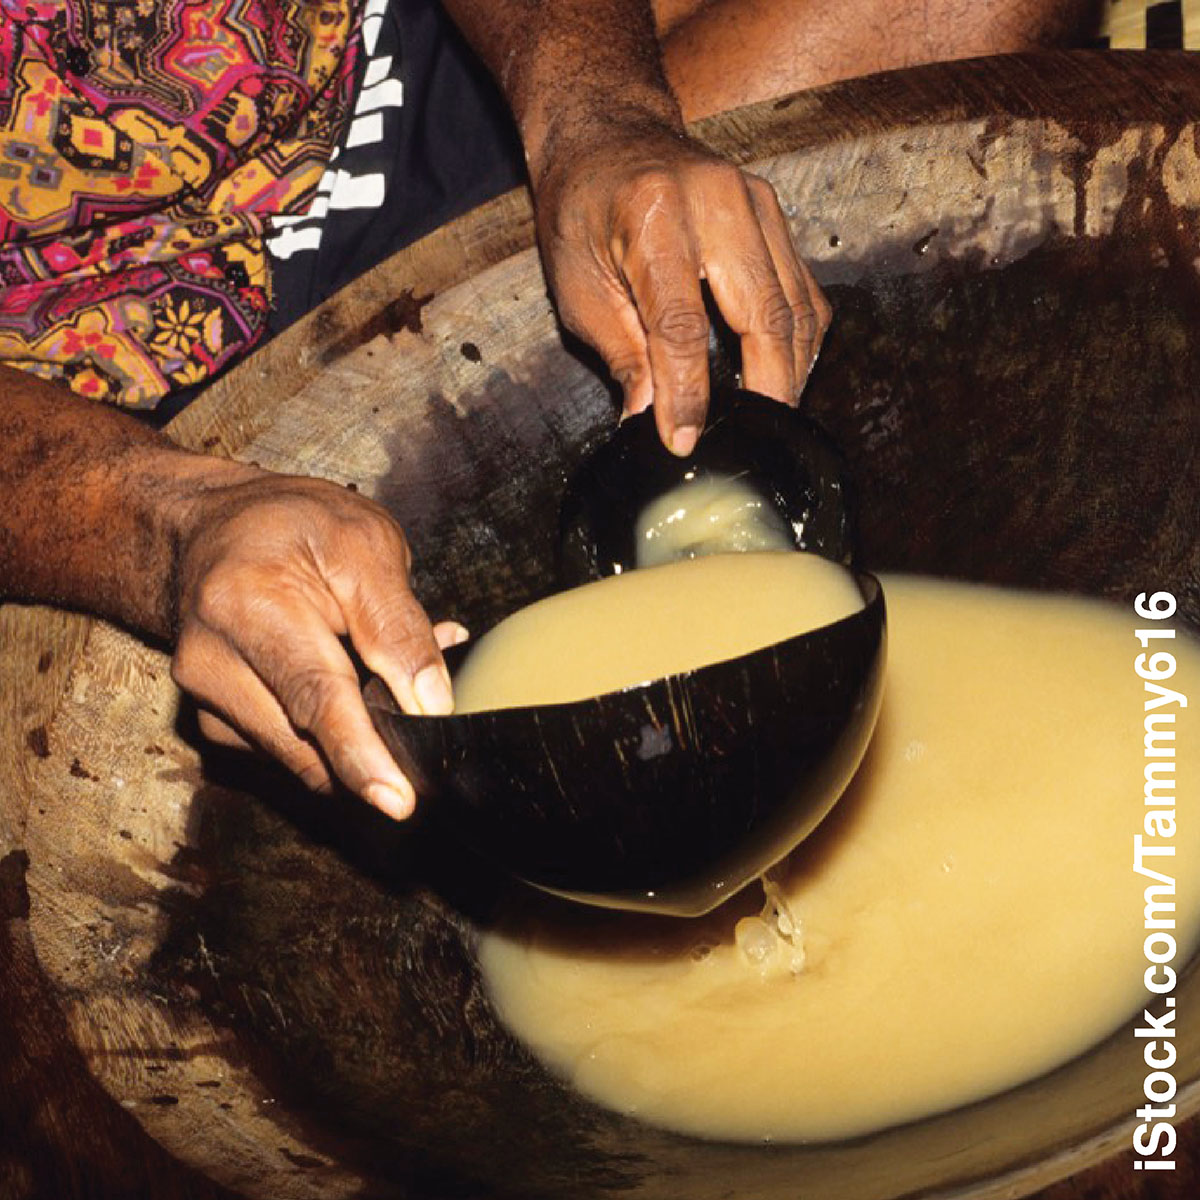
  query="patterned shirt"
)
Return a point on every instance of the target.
[{"x": 144, "y": 147}]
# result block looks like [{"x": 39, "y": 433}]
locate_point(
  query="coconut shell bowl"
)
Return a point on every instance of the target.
[
  {"x": 216, "y": 985},
  {"x": 666, "y": 797},
  {"x": 672, "y": 795},
  {"x": 778, "y": 454}
]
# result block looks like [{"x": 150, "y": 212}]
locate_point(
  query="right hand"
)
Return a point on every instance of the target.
[
  {"x": 632, "y": 216},
  {"x": 272, "y": 572}
]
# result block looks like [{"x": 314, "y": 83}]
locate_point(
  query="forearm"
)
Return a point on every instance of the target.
[
  {"x": 563, "y": 65},
  {"x": 92, "y": 505}
]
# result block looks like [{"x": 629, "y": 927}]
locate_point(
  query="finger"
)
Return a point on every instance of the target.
[
  {"x": 319, "y": 692},
  {"x": 596, "y": 306},
  {"x": 240, "y": 711},
  {"x": 662, "y": 268},
  {"x": 741, "y": 271},
  {"x": 450, "y": 633},
  {"x": 395, "y": 639},
  {"x": 293, "y": 650},
  {"x": 823, "y": 311},
  {"x": 215, "y": 730},
  {"x": 811, "y": 312},
  {"x": 362, "y": 590}
]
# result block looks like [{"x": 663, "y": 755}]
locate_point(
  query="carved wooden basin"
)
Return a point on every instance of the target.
[{"x": 215, "y": 985}]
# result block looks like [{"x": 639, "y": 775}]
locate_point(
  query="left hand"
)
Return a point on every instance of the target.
[
  {"x": 632, "y": 215},
  {"x": 272, "y": 573}
]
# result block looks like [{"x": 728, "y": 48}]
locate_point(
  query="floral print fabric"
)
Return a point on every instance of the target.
[{"x": 144, "y": 147}]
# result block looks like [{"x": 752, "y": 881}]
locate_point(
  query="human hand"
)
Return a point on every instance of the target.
[
  {"x": 631, "y": 216},
  {"x": 273, "y": 571}
]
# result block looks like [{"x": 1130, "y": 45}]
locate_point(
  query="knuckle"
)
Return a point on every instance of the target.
[
  {"x": 307, "y": 697},
  {"x": 218, "y": 599},
  {"x": 680, "y": 326},
  {"x": 722, "y": 178},
  {"x": 308, "y": 767},
  {"x": 651, "y": 187},
  {"x": 311, "y": 504},
  {"x": 776, "y": 316},
  {"x": 402, "y": 625},
  {"x": 365, "y": 539},
  {"x": 381, "y": 528},
  {"x": 813, "y": 316},
  {"x": 646, "y": 207}
]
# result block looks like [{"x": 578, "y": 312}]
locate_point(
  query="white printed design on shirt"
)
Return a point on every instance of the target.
[{"x": 339, "y": 188}]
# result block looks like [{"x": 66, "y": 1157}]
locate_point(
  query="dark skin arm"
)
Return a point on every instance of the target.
[
  {"x": 632, "y": 213},
  {"x": 255, "y": 576},
  {"x": 258, "y": 576},
  {"x": 767, "y": 49}
]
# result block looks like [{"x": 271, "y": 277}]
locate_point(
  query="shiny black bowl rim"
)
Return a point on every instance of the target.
[{"x": 433, "y": 750}]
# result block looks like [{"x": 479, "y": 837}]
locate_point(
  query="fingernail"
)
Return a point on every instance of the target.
[
  {"x": 391, "y": 800},
  {"x": 450, "y": 633},
  {"x": 683, "y": 440},
  {"x": 431, "y": 687}
]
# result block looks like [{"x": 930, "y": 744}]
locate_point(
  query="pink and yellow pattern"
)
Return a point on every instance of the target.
[{"x": 144, "y": 147}]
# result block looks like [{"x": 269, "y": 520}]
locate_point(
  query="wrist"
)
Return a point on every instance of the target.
[
  {"x": 571, "y": 133},
  {"x": 165, "y": 492},
  {"x": 191, "y": 490},
  {"x": 94, "y": 506}
]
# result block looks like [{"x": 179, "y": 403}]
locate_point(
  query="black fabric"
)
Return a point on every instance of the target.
[{"x": 448, "y": 147}]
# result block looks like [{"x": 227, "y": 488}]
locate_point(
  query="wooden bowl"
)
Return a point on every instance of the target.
[{"x": 281, "y": 991}]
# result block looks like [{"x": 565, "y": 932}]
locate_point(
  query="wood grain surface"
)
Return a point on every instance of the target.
[{"x": 213, "y": 985}]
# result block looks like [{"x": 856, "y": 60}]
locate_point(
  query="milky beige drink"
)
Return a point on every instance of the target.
[
  {"x": 631, "y": 628},
  {"x": 713, "y": 515},
  {"x": 967, "y": 919}
]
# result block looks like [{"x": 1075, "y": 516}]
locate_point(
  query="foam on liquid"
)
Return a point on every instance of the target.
[{"x": 967, "y": 919}]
